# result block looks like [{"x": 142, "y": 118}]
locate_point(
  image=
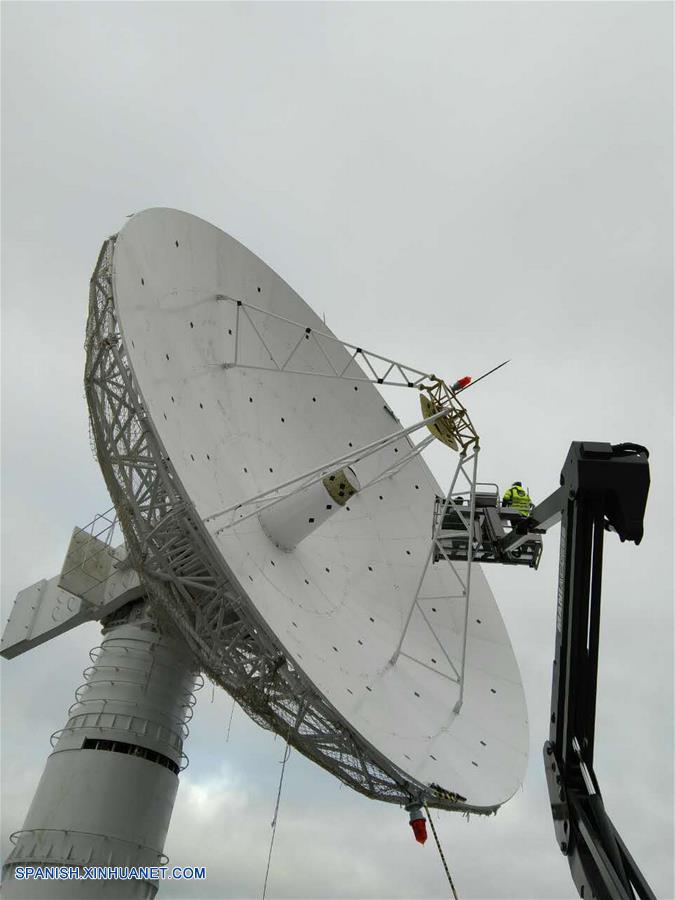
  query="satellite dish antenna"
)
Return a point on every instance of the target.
[{"x": 276, "y": 520}]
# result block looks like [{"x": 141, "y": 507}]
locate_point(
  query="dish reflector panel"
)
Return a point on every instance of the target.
[{"x": 333, "y": 607}]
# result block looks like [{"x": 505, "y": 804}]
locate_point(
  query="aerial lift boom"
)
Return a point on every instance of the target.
[{"x": 603, "y": 488}]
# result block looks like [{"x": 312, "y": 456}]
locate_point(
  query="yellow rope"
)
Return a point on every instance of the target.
[{"x": 438, "y": 844}]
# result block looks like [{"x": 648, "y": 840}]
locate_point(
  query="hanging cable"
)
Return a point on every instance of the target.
[
  {"x": 229, "y": 724},
  {"x": 287, "y": 753},
  {"x": 438, "y": 844}
]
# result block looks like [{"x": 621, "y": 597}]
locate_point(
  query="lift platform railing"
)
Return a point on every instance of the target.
[{"x": 491, "y": 526}]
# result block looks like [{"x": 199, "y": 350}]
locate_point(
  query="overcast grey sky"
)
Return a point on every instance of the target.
[{"x": 451, "y": 184}]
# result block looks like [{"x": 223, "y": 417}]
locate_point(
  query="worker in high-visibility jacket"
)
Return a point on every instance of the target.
[{"x": 517, "y": 498}]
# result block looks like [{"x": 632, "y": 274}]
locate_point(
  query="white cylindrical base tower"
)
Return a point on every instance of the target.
[{"x": 107, "y": 792}]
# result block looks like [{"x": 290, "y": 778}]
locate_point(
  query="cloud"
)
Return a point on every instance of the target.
[{"x": 452, "y": 185}]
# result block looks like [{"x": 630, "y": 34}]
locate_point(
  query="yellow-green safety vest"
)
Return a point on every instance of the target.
[{"x": 518, "y": 498}]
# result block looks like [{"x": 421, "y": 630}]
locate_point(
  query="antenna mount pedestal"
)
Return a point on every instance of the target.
[{"x": 114, "y": 768}]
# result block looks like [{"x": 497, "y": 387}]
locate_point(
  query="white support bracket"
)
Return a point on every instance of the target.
[
  {"x": 382, "y": 369},
  {"x": 467, "y": 467},
  {"x": 241, "y": 511},
  {"x": 455, "y": 428},
  {"x": 95, "y": 580}
]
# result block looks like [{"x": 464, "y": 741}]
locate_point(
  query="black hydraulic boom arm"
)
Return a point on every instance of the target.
[{"x": 603, "y": 488}]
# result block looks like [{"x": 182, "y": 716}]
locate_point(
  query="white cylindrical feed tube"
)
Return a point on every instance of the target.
[{"x": 292, "y": 519}]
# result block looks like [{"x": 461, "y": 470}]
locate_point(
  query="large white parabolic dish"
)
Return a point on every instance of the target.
[{"x": 333, "y": 609}]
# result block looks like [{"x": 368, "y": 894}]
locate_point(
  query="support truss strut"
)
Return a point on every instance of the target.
[
  {"x": 454, "y": 429},
  {"x": 467, "y": 467}
]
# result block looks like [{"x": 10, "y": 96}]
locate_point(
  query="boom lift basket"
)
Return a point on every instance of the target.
[{"x": 492, "y": 523}]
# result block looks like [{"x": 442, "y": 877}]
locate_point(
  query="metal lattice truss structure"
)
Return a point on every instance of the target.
[
  {"x": 454, "y": 428},
  {"x": 189, "y": 586},
  {"x": 467, "y": 467},
  {"x": 239, "y": 512}
]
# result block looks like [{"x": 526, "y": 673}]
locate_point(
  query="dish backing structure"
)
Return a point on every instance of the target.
[{"x": 277, "y": 538}]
